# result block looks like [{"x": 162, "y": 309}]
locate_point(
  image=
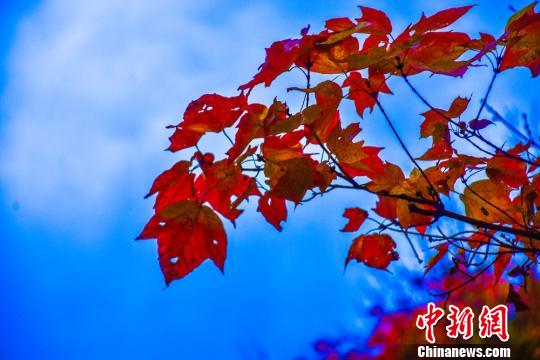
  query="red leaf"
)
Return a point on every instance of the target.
[
  {"x": 386, "y": 207},
  {"x": 509, "y": 171},
  {"x": 436, "y": 126},
  {"x": 339, "y": 24},
  {"x": 379, "y": 22},
  {"x": 280, "y": 56},
  {"x": 177, "y": 172},
  {"x": 209, "y": 113},
  {"x": 273, "y": 210},
  {"x": 375, "y": 250},
  {"x": 222, "y": 181},
  {"x": 440, "y": 20},
  {"x": 356, "y": 218},
  {"x": 260, "y": 121},
  {"x": 361, "y": 90},
  {"x": 188, "y": 233}
]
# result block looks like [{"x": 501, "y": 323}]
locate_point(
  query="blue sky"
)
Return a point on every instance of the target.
[{"x": 87, "y": 89}]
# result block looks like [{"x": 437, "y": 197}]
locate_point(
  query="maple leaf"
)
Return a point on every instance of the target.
[
  {"x": 175, "y": 184},
  {"x": 454, "y": 168},
  {"x": 280, "y": 56},
  {"x": 363, "y": 91},
  {"x": 487, "y": 201},
  {"x": 188, "y": 233},
  {"x": 273, "y": 209},
  {"x": 378, "y": 21},
  {"x": 323, "y": 174},
  {"x": 509, "y": 171},
  {"x": 388, "y": 179},
  {"x": 328, "y": 57},
  {"x": 375, "y": 250},
  {"x": 386, "y": 207},
  {"x": 179, "y": 173},
  {"x": 440, "y": 19},
  {"x": 209, "y": 113},
  {"x": 288, "y": 146},
  {"x": 435, "y": 125},
  {"x": 436, "y": 52},
  {"x": 260, "y": 121},
  {"x": 522, "y": 47},
  {"x": 220, "y": 182},
  {"x": 323, "y": 117},
  {"x": 339, "y": 24},
  {"x": 415, "y": 186},
  {"x": 354, "y": 157},
  {"x": 356, "y": 218},
  {"x": 291, "y": 178},
  {"x": 442, "y": 250}
]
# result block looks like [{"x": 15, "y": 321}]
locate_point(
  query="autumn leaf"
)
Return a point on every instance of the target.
[
  {"x": 339, "y": 24},
  {"x": 279, "y": 148},
  {"x": 323, "y": 117},
  {"x": 290, "y": 179},
  {"x": 353, "y": 156},
  {"x": 487, "y": 201},
  {"x": 375, "y": 250},
  {"x": 509, "y": 171},
  {"x": 356, "y": 218},
  {"x": 209, "y": 113},
  {"x": 522, "y": 47},
  {"x": 273, "y": 209},
  {"x": 260, "y": 121},
  {"x": 378, "y": 21},
  {"x": 363, "y": 91},
  {"x": 188, "y": 233},
  {"x": 328, "y": 56},
  {"x": 388, "y": 179},
  {"x": 323, "y": 175},
  {"x": 280, "y": 56},
  {"x": 440, "y": 20},
  {"x": 442, "y": 250},
  {"x": 386, "y": 207},
  {"x": 435, "y": 125},
  {"x": 178, "y": 173},
  {"x": 223, "y": 185}
]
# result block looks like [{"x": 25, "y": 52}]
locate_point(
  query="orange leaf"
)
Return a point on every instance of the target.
[
  {"x": 522, "y": 44},
  {"x": 442, "y": 250}
]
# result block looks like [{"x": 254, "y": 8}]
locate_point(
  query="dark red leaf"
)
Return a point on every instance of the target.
[{"x": 356, "y": 218}]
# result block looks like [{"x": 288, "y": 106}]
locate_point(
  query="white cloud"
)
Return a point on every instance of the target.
[{"x": 91, "y": 86}]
